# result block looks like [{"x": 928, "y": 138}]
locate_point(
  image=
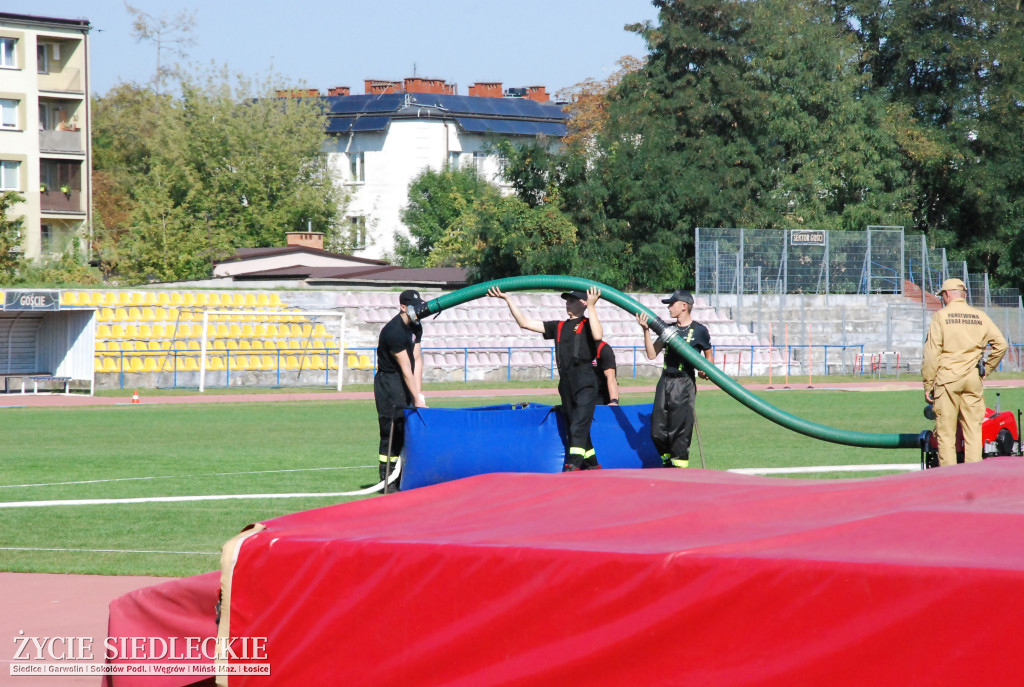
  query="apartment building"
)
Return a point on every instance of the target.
[
  {"x": 45, "y": 151},
  {"x": 378, "y": 142}
]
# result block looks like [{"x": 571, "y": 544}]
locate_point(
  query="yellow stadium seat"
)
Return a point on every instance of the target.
[
  {"x": 237, "y": 300},
  {"x": 68, "y": 298},
  {"x": 332, "y": 363},
  {"x": 257, "y": 344},
  {"x": 145, "y": 331},
  {"x": 244, "y": 345},
  {"x": 135, "y": 364},
  {"x": 217, "y": 345},
  {"x": 234, "y": 330},
  {"x": 149, "y": 315},
  {"x": 275, "y": 300},
  {"x": 103, "y": 331},
  {"x": 150, "y": 364},
  {"x": 136, "y": 298},
  {"x": 194, "y": 346},
  {"x": 250, "y": 300},
  {"x": 149, "y": 298},
  {"x": 177, "y": 298},
  {"x": 190, "y": 365},
  {"x": 154, "y": 346},
  {"x": 320, "y": 331},
  {"x": 289, "y": 362},
  {"x": 262, "y": 300},
  {"x": 131, "y": 331},
  {"x": 215, "y": 364},
  {"x": 365, "y": 363},
  {"x": 179, "y": 345},
  {"x": 162, "y": 298},
  {"x": 202, "y": 299},
  {"x": 318, "y": 363},
  {"x": 270, "y": 330},
  {"x": 109, "y": 298},
  {"x": 117, "y": 331},
  {"x": 110, "y": 364},
  {"x": 157, "y": 331},
  {"x": 221, "y": 330},
  {"x": 188, "y": 300},
  {"x": 353, "y": 361},
  {"x": 238, "y": 362}
]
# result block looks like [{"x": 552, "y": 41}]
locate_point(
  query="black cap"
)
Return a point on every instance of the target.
[
  {"x": 410, "y": 297},
  {"x": 575, "y": 295},
  {"x": 679, "y": 295}
]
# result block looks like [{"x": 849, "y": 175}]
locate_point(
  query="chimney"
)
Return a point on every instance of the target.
[
  {"x": 537, "y": 93},
  {"x": 339, "y": 90},
  {"x": 415, "y": 84},
  {"x": 486, "y": 89},
  {"x": 309, "y": 239},
  {"x": 378, "y": 86},
  {"x": 299, "y": 93}
]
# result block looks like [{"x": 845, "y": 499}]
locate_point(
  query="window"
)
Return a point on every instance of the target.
[
  {"x": 9, "y": 175},
  {"x": 357, "y": 167},
  {"x": 357, "y": 232},
  {"x": 478, "y": 161},
  {"x": 42, "y": 61},
  {"x": 8, "y": 114},
  {"x": 453, "y": 160},
  {"x": 46, "y": 238},
  {"x": 7, "y": 52}
]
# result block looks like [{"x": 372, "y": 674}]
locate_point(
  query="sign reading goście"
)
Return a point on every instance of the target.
[
  {"x": 32, "y": 300},
  {"x": 801, "y": 237}
]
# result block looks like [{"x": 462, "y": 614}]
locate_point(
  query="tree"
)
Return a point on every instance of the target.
[
  {"x": 10, "y": 238},
  {"x": 504, "y": 237},
  {"x": 205, "y": 173},
  {"x": 172, "y": 37},
  {"x": 437, "y": 200},
  {"x": 588, "y": 103}
]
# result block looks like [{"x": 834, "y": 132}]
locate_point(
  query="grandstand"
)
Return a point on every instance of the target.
[{"x": 148, "y": 339}]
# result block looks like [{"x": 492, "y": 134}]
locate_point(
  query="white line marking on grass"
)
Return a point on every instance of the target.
[
  {"x": 828, "y": 468},
  {"x": 36, "y": 548},
  {"x": 206, "y": 474}
]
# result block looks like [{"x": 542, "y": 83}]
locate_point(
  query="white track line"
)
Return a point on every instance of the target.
[
  {"x": 34, "y": 548},
  {"x": 211, "y": 497},
  {"x": 828, "y": 468},
  {"x": 202, "y": 474}
]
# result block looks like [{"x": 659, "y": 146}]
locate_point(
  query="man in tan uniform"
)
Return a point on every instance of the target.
[{"x": 957, "y": 339}]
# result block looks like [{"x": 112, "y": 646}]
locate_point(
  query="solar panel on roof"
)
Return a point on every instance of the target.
[
  {"x": 511, "y": 127},
  {"x": 343, "y": 125}
]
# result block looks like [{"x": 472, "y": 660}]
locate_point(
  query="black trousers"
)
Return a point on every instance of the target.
[
  {"x": 672, "y": 419},
  {"x": 391, "y": 396},
  {"x": 578, "y": 390}
]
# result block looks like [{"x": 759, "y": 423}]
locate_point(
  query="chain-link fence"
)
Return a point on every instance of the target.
[{"x": 752, "y": 271}]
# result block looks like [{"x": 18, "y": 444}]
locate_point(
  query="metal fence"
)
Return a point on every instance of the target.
[{"x": 753, "y": 271}]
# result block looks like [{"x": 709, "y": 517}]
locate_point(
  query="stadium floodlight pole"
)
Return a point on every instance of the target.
[{"x": 723, "y": 381}]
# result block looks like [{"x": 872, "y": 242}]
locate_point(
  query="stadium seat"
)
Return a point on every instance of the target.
[
  {"x": 135, "y": 364},
  {"x": 149, "y": 298},
  {"x": 177, "y": 298},
  {"x": 163, "y": 298},
  {"x": 188, "y": 300},
  {"x": 189, "y": 365},
  {"x": 365, "y": 362},
  {"x": 111, "y": 363},
  {"x": 151, "y": 364}
]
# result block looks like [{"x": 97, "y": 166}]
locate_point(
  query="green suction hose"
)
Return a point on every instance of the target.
[{"x": 726, "y": 383}]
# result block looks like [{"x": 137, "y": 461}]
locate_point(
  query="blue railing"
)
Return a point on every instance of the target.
[{"x": 173, "y": 362}]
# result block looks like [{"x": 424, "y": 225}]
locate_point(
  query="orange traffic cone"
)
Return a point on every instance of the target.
[{"x": 135, "y": 396}]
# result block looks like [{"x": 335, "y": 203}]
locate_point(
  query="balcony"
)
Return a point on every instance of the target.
[
  {"x": 67, "y": 80},
  {"x": 61, "y": 142},
  {"x": 55, "y": 200}
]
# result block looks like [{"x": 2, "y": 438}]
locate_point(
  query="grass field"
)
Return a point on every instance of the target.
[{"x": 288, "y": 447}]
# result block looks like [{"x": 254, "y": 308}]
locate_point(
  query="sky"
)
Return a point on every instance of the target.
[{"x": 552, "y": 43}]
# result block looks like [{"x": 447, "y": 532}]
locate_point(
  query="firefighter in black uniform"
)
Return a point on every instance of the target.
[
  {"x": 576, "y": 340},
  {"x": 673, "y": 415},
  {"x": 604, "y": 370},
  {"x": 398, "y": 383}
]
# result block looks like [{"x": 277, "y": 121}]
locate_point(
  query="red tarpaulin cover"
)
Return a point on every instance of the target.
[
  {"x": 647, "y": 577},
  {"x": 177, "y": 609}
]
